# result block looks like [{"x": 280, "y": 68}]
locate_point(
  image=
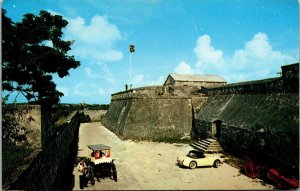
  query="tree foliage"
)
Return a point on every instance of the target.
[{"x": 33, "y": 50}]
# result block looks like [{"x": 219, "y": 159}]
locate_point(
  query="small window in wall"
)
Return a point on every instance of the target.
[{"x": 216, "y": 128}]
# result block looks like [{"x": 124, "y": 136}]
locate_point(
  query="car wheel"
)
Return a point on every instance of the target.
[
  {"x": 193, "y": 165},
  {"x": 217, "y": 163}
]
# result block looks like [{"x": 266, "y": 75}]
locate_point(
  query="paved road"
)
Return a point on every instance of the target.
[{"x": 147, "y": 165}]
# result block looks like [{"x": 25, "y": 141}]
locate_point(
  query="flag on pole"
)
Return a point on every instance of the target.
[{"x": 131, "y": 48}]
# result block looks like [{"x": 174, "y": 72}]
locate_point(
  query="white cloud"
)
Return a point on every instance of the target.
[
  {"x": 99, "y": 31},
  {"x": 90, "y": 73},
  {"x": 94, "y": 41},
  {"x": 256, "y": 60},
  {"x": 183, "y": 68},
  {"x": 208, "y": 58},
  {"x": 259, "y": 46}
]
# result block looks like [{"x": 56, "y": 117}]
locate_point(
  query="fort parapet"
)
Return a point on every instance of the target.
[
  {"x": 271, "y": 85},
  {"x": 139, "y": 93},
  {"x": 158, "y": 92}
]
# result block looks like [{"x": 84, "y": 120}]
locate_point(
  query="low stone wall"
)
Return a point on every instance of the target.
[
  {"x": 272, "y": 85},
  {"x": 143, "y": 92},
  {"x": 95, "y": 115},
  {"x": 288, "y": 82},
  {"x": 47, "y": 168},
  {"x": 29, "y": 118}
]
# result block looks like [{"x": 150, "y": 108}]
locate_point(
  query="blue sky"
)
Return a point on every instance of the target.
[{"x": 239, "y": 40}]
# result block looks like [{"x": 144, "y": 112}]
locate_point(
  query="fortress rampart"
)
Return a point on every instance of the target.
[
  {"x": 153, "y": 111},
  {"x": 261, "y": 115},
  {"x": 246, "y": 123}
]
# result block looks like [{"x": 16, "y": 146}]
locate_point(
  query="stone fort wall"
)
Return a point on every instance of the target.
[
  {"x": 248, "y": 123},
  {"x": 257, "y": 115},
  {"x": 156, "y": 112}
]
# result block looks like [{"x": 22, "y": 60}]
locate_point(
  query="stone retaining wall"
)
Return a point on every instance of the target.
[{"x": 47, "y": 166}]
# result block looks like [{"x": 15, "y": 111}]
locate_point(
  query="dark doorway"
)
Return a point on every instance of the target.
[{"x": 216, "y": 128}]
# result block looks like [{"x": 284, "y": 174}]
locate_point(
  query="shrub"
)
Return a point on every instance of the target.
[{"x": 84, "y": 118}]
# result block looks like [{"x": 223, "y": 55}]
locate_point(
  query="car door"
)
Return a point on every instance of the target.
[
  {"x": 202, "y": 160},
  {"x": 210, "y": 159}
]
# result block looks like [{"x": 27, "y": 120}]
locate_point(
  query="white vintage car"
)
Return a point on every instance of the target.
[{"x": 197, "y": 158}]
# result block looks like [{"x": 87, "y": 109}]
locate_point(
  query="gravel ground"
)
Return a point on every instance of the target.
[{"x": 152, "y": 166}]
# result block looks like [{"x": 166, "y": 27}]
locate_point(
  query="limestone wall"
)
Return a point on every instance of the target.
[
  {"x": 156, "y": 113},
  {"x": 199, "y": 84},
  {"x": 115, "y": 114},
  {"x": 150, "y": 118},
  {"x": 260, "y": 122},
  {"x": 272, "y": 85},
  {"x": 143, "y": 92},
  {"x": 46, "y": 168},
  {"x": 182, "y": 91},
  {"x": 95, "y": 115}
]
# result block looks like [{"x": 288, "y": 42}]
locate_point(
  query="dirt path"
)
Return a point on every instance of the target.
[{"x": 152, "y": 166}]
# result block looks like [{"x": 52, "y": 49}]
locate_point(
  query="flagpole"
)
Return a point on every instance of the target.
[
  {"x": 131, "y": 50},
  {"x": 130, "y": 70}
]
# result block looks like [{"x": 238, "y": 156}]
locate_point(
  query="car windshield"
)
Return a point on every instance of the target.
[{"x": 193, "y": 154}]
